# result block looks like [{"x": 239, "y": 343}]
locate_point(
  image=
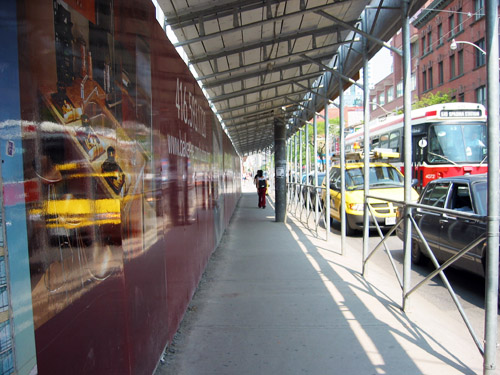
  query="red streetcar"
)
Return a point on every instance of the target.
[{"x": 448, "y": 140}]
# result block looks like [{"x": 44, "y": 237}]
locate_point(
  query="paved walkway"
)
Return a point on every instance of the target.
[{"x": 276, "y": 300}]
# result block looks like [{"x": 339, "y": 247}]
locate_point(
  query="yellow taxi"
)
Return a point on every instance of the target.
[{"x": 385, "y": 182}]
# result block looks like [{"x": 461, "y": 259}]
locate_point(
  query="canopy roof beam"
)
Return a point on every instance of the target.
[{"x": 263, "y": 22}]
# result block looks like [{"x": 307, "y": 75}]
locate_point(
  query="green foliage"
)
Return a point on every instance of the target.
[
  {"x": 320, "y": 125},
  {"x": 437, "y": 98}
]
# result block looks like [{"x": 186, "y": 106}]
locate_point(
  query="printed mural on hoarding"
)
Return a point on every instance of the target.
[
  {"x": 124, "y": 179},
  {"x": 91, "y": 159}
]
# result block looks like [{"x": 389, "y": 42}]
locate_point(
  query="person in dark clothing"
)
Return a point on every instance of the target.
[
  {"x": 112, "y": 172},
  {"x": 261, "y": 185}
]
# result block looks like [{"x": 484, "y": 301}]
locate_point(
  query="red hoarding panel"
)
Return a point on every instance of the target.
[{"x": 124, "y": 192}]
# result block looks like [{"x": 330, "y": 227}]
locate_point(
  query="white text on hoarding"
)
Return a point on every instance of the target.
[{"x": 188, "y": 109}]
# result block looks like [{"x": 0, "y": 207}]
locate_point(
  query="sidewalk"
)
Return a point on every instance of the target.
[{"x": 276, "y": 300}]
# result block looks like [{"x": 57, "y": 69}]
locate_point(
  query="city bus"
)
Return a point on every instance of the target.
[{"x": 448, "y": 140}]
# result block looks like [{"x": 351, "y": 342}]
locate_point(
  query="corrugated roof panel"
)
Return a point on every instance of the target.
[{"x": 249, "y": 53}]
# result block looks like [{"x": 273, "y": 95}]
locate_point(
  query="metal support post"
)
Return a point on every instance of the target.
[
  {"x": 491, "y": 324},
  {"x": 280, "y": 169},
  {"x": 342, "y": 152},
  {"x": 301, "y": 166},
  {"x": 407, "y": 148},
  {"x": 315, "y": 146},
  {"x": 294, "y": 168},
  {"x": 287, "y": 148},
  {"x": 366, "y": 147},
  {"x": 327, "y": 160},
  {"x": 308, "y": 168},
  {"x": 288, "y": 169}
]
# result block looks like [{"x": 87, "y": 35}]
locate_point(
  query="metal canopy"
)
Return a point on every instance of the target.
[{"x": 262, "y": 59}]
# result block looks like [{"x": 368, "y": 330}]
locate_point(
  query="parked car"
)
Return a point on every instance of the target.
[
  {"x": 385, "y": 182},
  {"x": 447, "y": 234},
  {"x": 313, "y": 190}
]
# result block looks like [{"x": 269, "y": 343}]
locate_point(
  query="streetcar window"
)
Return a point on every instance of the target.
[
  {"x": 457, "y": 143},
  {"x": 394, "y": 141},
  {"x": 384, "y": 141},
  {"x": 475, "y": 142}
]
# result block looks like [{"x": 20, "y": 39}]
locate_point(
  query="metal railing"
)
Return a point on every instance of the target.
[
  {"x": 304, "y": 201},
  {"x": 439, "y": 268}
]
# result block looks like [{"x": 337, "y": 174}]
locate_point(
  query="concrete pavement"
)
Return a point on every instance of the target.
[{"x": 277, "y": 300}]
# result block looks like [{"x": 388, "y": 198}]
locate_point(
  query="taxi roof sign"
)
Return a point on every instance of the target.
[{"x": 376, "y": 154}]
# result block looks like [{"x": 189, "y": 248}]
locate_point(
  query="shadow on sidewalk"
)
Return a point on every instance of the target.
[{"x": 271, "y": 301}]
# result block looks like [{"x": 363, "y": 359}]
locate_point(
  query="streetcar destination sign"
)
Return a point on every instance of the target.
[{"x": 460, "y": 113}]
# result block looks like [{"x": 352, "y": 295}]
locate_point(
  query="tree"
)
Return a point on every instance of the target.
[
  {"x": 334, "y": 130},
  {"x": 437, "y": 98}
]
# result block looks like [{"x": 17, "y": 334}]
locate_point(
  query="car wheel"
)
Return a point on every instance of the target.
[
  {"x": 417, "y": 257},
  {"x": 349, "y": 231}
]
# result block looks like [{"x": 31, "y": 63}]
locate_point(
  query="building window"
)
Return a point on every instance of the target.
[
  {"x": 478, "y": 9},
  {"x": 374, "y": 105},
  {"x": 424, "y": 45},
  {"x": 452, "y": 66},
  {"x": 429, "y": 76},
  {"x": 460, "y": 62},
  {"x": 424, "y": 80},
  {"x": 414, "y": 49},
  {"x": 460, "y": 27},
  {"x": 481, "y": 95},
  {"x": 440, "y": 72},
  {"x": 440, "y": 34},
  {"x": 429, "y": 41},
  {"x": 461, "y": 97},
  {"x": 480, "y": 57},
  {"x": 451, "y": 24},
  {"x": 381, "y": 98},
  {"x": 390, "y": 94},
  {"x": 413, "y": 82},
  {"x": 399, "y": 89}
]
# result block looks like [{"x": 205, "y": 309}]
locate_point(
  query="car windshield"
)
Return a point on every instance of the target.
[{"x": 380, "y": 177}]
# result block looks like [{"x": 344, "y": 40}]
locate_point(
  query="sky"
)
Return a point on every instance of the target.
[{"x": 380, "y": 66}]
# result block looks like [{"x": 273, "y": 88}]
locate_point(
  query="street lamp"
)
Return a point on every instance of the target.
[
  {"x": 382, "y": 108},
  {"x": 453, "y": 45}
]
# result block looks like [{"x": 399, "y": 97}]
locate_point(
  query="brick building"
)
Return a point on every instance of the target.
[
  {"x": 387, "y": 94},
  {"x": 435, "y": 66},
  {"x": 460, "y": 72}
]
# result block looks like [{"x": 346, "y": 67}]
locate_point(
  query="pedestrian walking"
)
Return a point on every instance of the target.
[{"x": 261, "y": 185}]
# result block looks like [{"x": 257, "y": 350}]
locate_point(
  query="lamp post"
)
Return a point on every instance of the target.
[
  {"x": 453, "y": 45},
  {"x": 383, "y": 109}
]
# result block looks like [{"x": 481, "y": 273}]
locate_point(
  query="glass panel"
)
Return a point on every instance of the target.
[
  {"x": 399, "y": 89},
  {"x": 456, "y": 143},
  {"x": 384, "y": 141},
  {"x": 382, "y": 176},
  {"x": 436, "y": 196},
  {"x": 480, "y": 192},
  {"x": 394, "y": 141}
]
